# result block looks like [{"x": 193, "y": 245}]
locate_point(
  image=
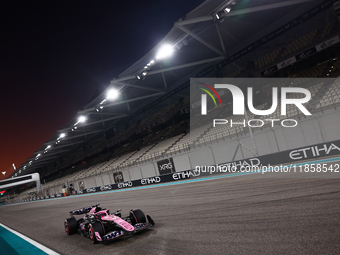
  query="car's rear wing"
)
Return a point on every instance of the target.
[{"x": 83, "y": 210}]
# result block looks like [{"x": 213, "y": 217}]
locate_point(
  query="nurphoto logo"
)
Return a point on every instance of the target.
[{"x": 239, "y": 104}]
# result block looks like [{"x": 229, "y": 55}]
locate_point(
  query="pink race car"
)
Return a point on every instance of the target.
[{"x": 100, "y": 225}]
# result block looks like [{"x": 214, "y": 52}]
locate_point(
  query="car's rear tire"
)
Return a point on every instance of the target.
[
  {"x": 95, "y": 227},
  {"x": 137, "y": 216},
  {"x": 71, "y": 226}
]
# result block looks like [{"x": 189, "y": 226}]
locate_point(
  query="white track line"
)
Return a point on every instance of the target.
[{"x": 36, "y": 244}]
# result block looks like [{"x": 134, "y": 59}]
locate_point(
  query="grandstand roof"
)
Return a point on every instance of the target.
[{"x": 199, "y": 42}]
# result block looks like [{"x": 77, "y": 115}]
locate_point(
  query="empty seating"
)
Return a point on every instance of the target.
[
  {"x": 332, "y": 96},
  {"x": 299, "y": 44},
  {"x": 268, "y": 59}
]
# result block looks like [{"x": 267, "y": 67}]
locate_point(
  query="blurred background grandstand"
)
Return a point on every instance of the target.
[{"x": 121, "y": 136}]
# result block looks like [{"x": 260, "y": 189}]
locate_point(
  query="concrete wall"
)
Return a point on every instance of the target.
[
  {"x": 107, "y": 179},
  {"x": 89, "y": 182},
  {"x": 321, "y": 127},
  {"x": 182, "y": 162},
  {"x": 134, "y": 174},
  {"x": 148, "y": 170},
  {"x": 98, "y": 180}
]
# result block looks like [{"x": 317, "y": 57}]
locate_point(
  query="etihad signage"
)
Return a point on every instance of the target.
[{"x": 314, "y": 151}]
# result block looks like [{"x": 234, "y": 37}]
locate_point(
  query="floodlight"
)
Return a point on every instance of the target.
[
  {"x": 216, "y": 16},
  {"x": 142, "y": 75},
  {"x": 98, "y": 109},
  {"x": 62, "y": 135},
  {"x": 81, "y": 119},
  {"x": 112, "y": 94},
  {"x": 148, "y": 65},
  {"x": 165, "y": 51},
  {"x": 227, "y": 10}
]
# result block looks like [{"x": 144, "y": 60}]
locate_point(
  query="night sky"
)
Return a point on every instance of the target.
[{"x": 56, "y": 56}]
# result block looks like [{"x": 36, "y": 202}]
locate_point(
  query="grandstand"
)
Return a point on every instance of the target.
[{"x": 149, "y": 122}]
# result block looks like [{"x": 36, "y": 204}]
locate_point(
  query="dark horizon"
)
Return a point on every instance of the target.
[{"x": 57, "y": 56}]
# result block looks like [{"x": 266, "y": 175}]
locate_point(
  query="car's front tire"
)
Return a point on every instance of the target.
[
  {"x": 95, "y": 227},
  {"x": 137, "y": 216},
  {"x": 71, "y": 226}
]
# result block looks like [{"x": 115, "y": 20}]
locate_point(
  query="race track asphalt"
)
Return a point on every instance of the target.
[{"x": 249, "y": 214}]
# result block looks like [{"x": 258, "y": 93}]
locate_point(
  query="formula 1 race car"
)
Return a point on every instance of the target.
[{"x": 99, "y": 225}]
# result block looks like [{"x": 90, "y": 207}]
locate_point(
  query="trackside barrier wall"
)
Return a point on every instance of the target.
[
  {"x": 323, "y": 126},
  {"x": 141, "y": 182},
  {"x": 43, "y": 197},
  {"x": 306, "y": 153},
  {"x": 128, "y": 184},
  {"x": 289, "y": 156}
]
